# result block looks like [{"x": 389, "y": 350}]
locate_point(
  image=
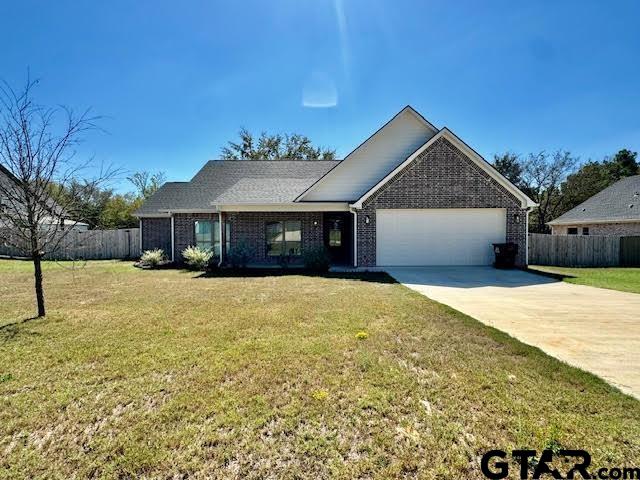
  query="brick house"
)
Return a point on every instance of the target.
[
  {"x": 613, "y": 211},
  {"x": 411, "y": 194}
]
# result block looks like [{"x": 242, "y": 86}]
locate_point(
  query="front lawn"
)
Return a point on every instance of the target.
[
  {"x": 614, "y": 278},
  {"x": 162, "y": 374}
]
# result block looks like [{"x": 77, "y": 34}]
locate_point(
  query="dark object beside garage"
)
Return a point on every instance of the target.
[{"x": 505, "y": 254}]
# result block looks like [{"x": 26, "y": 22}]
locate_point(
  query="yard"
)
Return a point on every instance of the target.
[
  {"x": 168, "y": 374},
  {"x": 614, "y": 278}
]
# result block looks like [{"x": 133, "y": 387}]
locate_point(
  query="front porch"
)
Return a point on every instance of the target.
[{"x": 267, "y": 238}]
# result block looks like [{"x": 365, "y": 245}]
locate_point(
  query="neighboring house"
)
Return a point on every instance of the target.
[
  {"x": 613, "y": 211},
  {"x": 8, "y": 181},
  {"x": 411, "y": 194}
]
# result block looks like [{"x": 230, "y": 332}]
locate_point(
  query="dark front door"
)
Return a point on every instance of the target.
[{"x": 337, "y": 237}]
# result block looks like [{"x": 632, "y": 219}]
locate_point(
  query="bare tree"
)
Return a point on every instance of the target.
[
  {"x": 37, "y": 150},
  {"x": 146, "y": 183},
  {"x": 541, "y": 178}
]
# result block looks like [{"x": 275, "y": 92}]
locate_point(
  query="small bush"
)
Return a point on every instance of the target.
[
  {"x": 317, "y": 259},
  {"x": 153, "y": 258},
  {"x": 240, "y": 255},
  {"x": 197, "y": 258}
]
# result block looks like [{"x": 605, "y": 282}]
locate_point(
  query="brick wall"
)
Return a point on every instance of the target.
[
  {"x": 184, "y": 230},
  {"x": 621, "y": 229},
  {"x": 441, "y": 177},
  {"x": 156, "y": 233},
  {"x": 249, "y": 227}
]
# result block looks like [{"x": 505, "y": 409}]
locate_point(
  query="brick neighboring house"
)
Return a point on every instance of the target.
[
  {"x": 411, "y": 194},
  {"x": 613, "y": 211}
]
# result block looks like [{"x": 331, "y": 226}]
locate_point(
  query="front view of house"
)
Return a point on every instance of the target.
[{"x": 409, "y": 195}]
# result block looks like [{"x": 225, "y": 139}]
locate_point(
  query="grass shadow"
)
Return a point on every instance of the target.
[{"x": 375, "y": 277}]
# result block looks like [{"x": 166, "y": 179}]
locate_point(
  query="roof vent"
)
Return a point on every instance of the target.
[
  {"x": 584, "y": 209},
  {"x": 631, "y": 205}
]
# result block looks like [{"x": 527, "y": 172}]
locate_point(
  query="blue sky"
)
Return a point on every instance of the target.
[{"x": 175, "y": 80}]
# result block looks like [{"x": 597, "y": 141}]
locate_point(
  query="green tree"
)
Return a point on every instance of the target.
[
  {"x": 118, "y": 211},
  {"x": 274, "y": 147},
  {"x": 623, "y": 164},
  {"x": 509, "y": 164}
]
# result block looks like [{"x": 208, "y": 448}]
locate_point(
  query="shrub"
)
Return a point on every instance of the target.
[
  {"x": 316, "y": 259},
  {"x": 153, "y": 258},
  {"x": 240, "y": 255},
  {"x": 197, "y": 258}
]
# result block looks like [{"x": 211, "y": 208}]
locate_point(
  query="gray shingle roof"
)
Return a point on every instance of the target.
[
  {"x": 618, "y": 202},
  {"x": 238, "y": 181}
]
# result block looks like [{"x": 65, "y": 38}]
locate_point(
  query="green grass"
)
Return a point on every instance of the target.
[
  {"x": 614, "y": 278},
  {"x": 162, "y": 374}
]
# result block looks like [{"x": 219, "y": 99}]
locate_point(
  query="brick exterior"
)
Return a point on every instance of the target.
[
  {"x": 621, "y": 229},
  {"x": 156, "y": 233},
  {"x": 441, "y": 177},
  {"x": 250, "y": 228},
  {"x": 185, "y": 232}
]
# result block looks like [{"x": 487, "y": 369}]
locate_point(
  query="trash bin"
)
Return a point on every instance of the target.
[{"x": 505, "y": 254}]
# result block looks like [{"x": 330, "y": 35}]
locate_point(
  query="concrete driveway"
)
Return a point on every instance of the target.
[{"x": 592, "y": 328}]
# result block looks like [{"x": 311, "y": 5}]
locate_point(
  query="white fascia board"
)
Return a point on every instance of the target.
[
  {"x": 468, "y": 151},
  {"x": 152, "y": 215},
  {"x": 587, "y": 222},
  {"x": 286, "y": 207}
]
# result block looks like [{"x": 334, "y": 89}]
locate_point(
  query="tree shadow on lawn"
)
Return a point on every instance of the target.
[
  {"x": 375, "y": 277},
  {"x": 9, "y": 331}
]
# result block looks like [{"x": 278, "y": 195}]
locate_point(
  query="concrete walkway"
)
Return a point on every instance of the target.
[{"x": 592, "y": 328}]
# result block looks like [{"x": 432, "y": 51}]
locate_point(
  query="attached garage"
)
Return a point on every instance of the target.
[{"x": 438, "y": 236}]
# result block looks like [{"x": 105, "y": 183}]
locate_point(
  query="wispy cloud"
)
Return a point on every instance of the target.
[
  {"x": 319, "y": 91},
  {"x": 342, "y": 32}
]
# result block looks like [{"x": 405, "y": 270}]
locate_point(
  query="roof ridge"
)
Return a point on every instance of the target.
[{"x": 271, "y": 160}]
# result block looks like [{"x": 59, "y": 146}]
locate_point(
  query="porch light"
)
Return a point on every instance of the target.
[
  {"x": 315, "y": 223},
  {"x": 516, "y": 218},
  {"x": 367, "y": 219}
]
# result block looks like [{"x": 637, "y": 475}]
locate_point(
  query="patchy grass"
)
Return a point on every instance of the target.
[
  {"x": 613, "y": 278},
  {"x": 163, "y": 374}
]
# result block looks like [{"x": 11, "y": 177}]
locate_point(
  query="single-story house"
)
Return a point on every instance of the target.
[
  {"x": 410, "y": 194},
  {"x": 613, "y": 211}
]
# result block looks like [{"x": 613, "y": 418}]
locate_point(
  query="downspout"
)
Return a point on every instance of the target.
[
  {"x": 355, "y": 238},
  {"x": 173, "y": 248},
  {"x": 140, "y": 220},
  {"x": 222, "y": 241},
  {"x": 526, "y": 233}
]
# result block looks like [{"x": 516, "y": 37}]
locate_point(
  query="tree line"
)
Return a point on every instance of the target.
[{"x": 558, "y": 182}]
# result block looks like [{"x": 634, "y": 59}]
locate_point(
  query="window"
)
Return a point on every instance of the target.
[
  {"x": 335, "y": 234},
  {"x": 284, "y": 238},
  {"x": 585, "y": 230},
  {"x": 572, "y": 231},
  {"x": 207, "y": 234}
]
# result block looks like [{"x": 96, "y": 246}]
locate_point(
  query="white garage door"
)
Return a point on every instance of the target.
[{"x": 438, "y": 236}]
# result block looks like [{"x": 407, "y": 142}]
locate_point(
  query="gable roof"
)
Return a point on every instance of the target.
[
  {"x": 237, "y": 182},
  {"x": 464, "y": 148},
  {"x": 377, "y": 155},
  {"x": 619, "y": 202}
]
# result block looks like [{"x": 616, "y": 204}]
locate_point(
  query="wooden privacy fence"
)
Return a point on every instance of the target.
[
  {"x": 583, "y": 250},
  {"x": 91, "y": 245}
]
